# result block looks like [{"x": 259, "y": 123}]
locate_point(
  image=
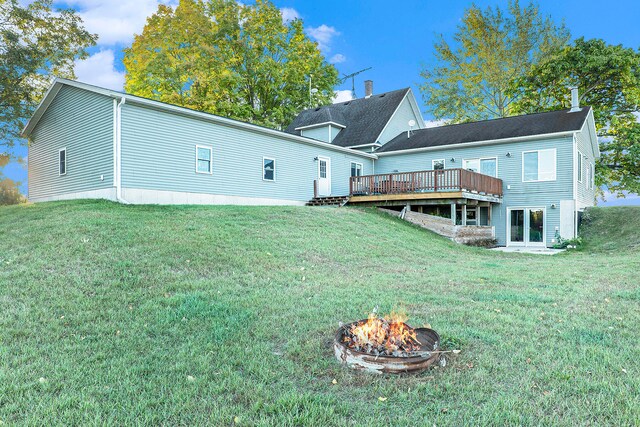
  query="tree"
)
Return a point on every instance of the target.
[
  {"x": 36, "y": 43},
  {"x": 472, "y": 78},
  {"x": 236, "y": 60},
  {"x": 608, "y": 80}
]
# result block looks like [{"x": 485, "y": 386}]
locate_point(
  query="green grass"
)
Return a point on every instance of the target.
[
  {"x": 612, "y": 229},
  {"x": 198, "y": 315}
]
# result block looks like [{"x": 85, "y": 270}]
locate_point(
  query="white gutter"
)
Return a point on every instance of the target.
[
  {"x": 472, "y": 144},
  {"x": 118, "y": 150}
]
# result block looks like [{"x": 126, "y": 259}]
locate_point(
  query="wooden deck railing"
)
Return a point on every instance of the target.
[{"x": 425, "y": 181}]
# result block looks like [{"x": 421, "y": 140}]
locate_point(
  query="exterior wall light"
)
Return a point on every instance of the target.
[
  {"x": 508, "y": 153},
  {"x": 453, "y": 160}
]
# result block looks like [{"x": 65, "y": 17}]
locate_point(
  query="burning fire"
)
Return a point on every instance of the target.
[{"x": 386, "y": 336}]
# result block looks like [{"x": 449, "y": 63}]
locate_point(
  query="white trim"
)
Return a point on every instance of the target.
[
  {"x": 140, "y": 196},
  {"x": 47, "y": 99},
  {"x": 475, "y": 143},
  {"x": 525, "y": 242},
  {"x": 65, "y": 161},
  {"x": 115, "y": 142},
  {"x": 118, "y": 149},
  {"x": 317, "y": 125},
  {"x": 555, "y": 165},
  {"x": 356, "y": 163},
  {"x": 181, "y": 110},
  {"x": 274, "y": 169},
  {"x": 205, "y": 147},
  {"x": 444, "y": 163},
  {"x": 373, "y": 144},
  {"x": 480, "y": 159}
]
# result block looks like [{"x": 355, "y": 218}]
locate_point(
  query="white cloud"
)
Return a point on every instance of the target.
[
  {"x": 323, "y": 34},
  {"x": 342, "y": 96},
  {"x": 338, "y": 58},
  {"x": 99, "y": 69},
  {"x": 289, "y": 14},
  {"x": 116, "y": 21}
]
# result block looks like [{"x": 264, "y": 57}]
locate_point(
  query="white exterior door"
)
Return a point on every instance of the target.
[
  {"x": 324, "y": 176},
  {"x": 526, "y": 227}
]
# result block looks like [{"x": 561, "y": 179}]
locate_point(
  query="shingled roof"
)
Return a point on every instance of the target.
[
  {"x": 363, "y": 118},
  {"x": 488, "y": 130}
]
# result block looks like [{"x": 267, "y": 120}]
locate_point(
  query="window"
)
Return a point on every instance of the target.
[
  {"x": 268, "y": 169},
  {"x": 356, "y": 169},
  {"x": 539, "y": 165},
  {"x": 323, "y": 168},
  {"x": 203, "y": 159},
  {"x": 62, "y": 162},
  {"x": 593, "y": 176},
  {"x": 579, "y": 166},
  {"x": 488, "y": 166},
  {"x": 437, "y": 165}
]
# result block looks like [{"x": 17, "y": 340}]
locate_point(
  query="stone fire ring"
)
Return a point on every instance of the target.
[{"x": 430, "y": 354}]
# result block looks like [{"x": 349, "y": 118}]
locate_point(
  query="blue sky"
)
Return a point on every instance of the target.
[{"x": 394, "y": 38}]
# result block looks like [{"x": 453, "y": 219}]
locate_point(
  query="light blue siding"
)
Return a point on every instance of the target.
[
  {"x": 399, "y": 122},
  {"x": 320, "y": 133},
  {"x": 585, "y": 196},
  {"x": 81, "y": 122},
  {"x": 516, "y": 192},
  {"x": 158, "y": 153}
]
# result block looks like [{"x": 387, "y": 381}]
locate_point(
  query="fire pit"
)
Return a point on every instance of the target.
[{"x": 386, "y": 345}]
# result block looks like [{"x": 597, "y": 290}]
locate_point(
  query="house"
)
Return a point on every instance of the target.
[{"x": 525, "y": 178}]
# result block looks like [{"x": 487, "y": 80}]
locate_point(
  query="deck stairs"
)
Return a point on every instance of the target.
[{"x": 338, "y": 201}]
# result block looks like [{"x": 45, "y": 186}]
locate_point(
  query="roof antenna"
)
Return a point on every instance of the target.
[
  {"x": 411, "y": 124},
  {"x": 353, "y": 83}
]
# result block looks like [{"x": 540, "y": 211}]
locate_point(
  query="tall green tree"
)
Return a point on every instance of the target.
[
  {"x": 471, "y": 78},
  {"x": 36, "y": 43},
  {"x": 223, "y": 57},
  {"x": 608, "y": 80}
]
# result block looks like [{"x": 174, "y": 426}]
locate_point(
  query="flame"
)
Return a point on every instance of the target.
[{"x": 388, "y": 335}]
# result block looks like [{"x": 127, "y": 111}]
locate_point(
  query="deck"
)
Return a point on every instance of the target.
[{"x": 425, "y": 185}]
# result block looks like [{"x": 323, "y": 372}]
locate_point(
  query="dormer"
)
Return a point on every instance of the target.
[{"x": 326, "y": 131}]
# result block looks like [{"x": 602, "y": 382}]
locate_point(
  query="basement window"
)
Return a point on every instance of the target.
[
  {"x": 203, "y": 159},
  {"x": 268, "y": 169},
  {"x": 62, "y": 162}
]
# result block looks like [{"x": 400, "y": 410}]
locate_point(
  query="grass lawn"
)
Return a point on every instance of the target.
[{"x": 117, "y": 315}]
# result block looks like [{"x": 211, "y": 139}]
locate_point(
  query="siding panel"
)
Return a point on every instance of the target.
[
  {"x": 399, "y": 122},
  {"x": 81, "y": 122},
  {"x": 158, "y": 153}
]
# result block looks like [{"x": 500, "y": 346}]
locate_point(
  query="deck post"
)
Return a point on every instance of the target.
[
  {"x": 453, "y": 213},
  {"x": 464, "y": 214}
]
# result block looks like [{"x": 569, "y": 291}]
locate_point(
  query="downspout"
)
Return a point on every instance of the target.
[
  {"x": 118, "y": 150},
  {"x": 575, "y": 185}
]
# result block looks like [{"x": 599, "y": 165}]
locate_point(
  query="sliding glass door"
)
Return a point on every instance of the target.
[{"x": 526, "y": 227}]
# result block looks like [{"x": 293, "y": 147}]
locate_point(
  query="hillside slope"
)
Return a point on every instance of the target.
[
  {"x": 119, "y": 315},
  {"x": 611, "y": 229}
]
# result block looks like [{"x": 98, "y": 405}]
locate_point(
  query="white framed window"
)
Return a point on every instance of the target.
[
  {"x": 593, "y": 176},
  {"x": 588, "y": 183},
  {"x": 62, "y": 161},
  {"x": 204, "y": 156},
  {"x": 437, "y": 164},
  {"x": 356, "y": 169},
  {"x": 485, "y": 166},
  {"x": 268, "y": 169},
  {"x": 580, "y": 168},
  {"x": 539, "y": 165}
]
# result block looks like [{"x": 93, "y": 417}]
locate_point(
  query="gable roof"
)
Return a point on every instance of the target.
[
  {"x": 364, "y": 119},
  {"x": 539, "y": 124},
  {"x": 58, "y": 83}
]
